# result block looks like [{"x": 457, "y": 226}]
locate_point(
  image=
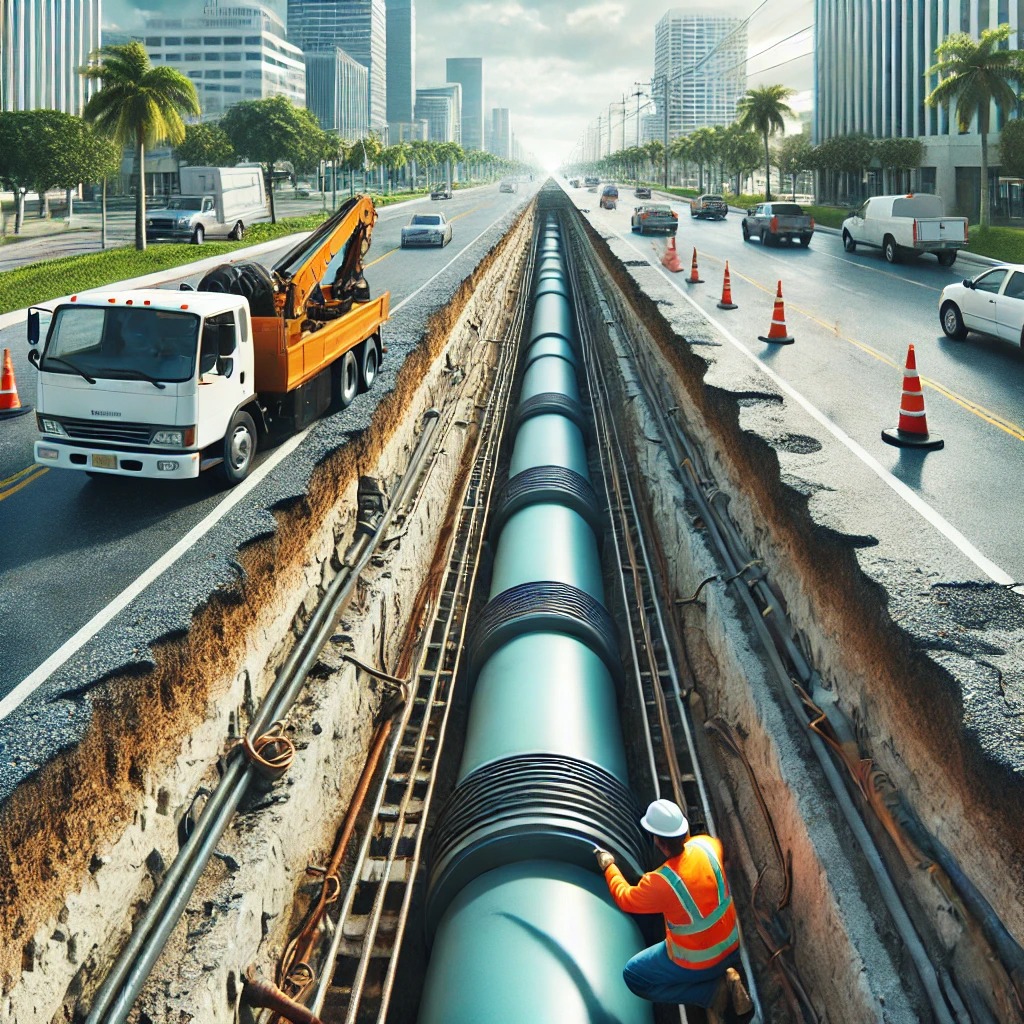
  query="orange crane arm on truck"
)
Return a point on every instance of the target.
[{"x": 302, "y": 323}]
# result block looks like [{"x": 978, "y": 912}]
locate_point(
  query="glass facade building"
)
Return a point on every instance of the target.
[
  {"x": 42, "y": 45},
  {"x": 501, "y": 132},
  {"x": 401, "y": 68},
  {"x": 469, "y": 73},
  {"x": 452, "y": 92},
  {"x": 359, "y": 27},
  {"x": 701, "y": 53},
  {"x": 230, "y": 54},
  {"x": 337, "y": 91}
]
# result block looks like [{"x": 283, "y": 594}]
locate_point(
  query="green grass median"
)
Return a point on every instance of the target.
[{"x": 50, "y": 279}]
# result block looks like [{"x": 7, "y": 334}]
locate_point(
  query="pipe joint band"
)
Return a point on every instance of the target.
[
  {"x": 536, "y": 806},
  {"x": 555, "y": 485},
  {"x": 551, "y": 402},
  {"x": 545, "y": 607}
]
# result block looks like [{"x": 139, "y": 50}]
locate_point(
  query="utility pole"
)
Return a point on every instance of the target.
[{"x": 639, "y": 92}]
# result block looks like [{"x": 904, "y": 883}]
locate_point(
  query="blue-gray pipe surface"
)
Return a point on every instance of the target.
[{"x": 524, "y": 931}]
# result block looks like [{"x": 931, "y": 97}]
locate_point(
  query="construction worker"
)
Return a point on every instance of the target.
[{"x": 696, "y": 964}]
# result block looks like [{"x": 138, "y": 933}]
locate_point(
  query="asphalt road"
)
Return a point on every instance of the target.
[
  {"x": 852, "y": 317},
  {"x": 70, "y": 544}
]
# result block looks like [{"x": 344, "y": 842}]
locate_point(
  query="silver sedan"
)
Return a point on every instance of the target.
[{"x": 427, "y": 229}]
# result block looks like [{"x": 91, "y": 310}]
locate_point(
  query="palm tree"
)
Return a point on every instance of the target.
[
  {"x": 976, "y": 74},
  {"x": 762, "y": 110},
  {"x": 703, "y": 145},
  {"x": 138, "y": 105}
]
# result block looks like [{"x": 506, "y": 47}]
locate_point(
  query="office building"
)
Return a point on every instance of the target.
[
  {"x": 700, "y": 54},
  {"x": 408, "y": 131},
  {"x": 501, "y": 133},
  {"x": 230, "y": 54},
  {"x": 870, "y": 60},
  {"x": 42, "y": 45},
  {"x": 469, "y": 73},
  {"x": 337, "y": 91},
  {"x": 359, "y": 27},
  {"x": 401, "y": 67},
  {"x": 451, "y": 91}
]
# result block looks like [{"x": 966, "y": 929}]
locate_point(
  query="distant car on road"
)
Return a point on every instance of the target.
[
  {"x": 709, "y": 206},
  {"x": 655, "y": 217},
  {"x": 609, "y": 197},
  {"x": 591, "y": 181},
  {"x": 778, "y": 222},
  {"x": 431, "y": 229},
  {"x": 509, "y": 185},
  {"x": 905, "y": 225},
  {"x": 575, "y": 183},
  {"x": 991, "y": 303},
  {"x": 444, "y": 192},
  {"x": 642, "y": 192}
]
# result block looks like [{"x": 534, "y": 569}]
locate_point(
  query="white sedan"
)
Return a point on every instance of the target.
[
  {"x": 427, "y": 229},
  {"x": 992, "y": 303}
]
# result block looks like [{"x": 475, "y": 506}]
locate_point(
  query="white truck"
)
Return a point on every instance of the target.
[
  {"x": 166, "y": 384},
  {"x": 909, "y": 224},
  {"x": 215, "y": 202}
]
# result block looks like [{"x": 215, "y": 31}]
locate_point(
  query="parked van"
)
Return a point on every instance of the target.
[{"x": 215, "y": 202}]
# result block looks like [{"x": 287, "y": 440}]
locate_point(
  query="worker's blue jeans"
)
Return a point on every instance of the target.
[{"x": 653, "y": 975}]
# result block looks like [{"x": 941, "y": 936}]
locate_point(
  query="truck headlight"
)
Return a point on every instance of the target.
[
  {"x": 176, "y": 437},
  {"x": 48, "y": 426}
]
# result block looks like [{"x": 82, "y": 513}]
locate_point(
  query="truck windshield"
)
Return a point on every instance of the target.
[
  {"x": 185, "y": 203},
  {"x": 122, "y": 343}
]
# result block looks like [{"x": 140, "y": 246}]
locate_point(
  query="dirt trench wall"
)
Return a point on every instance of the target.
[{"x": 83, "y": 840}]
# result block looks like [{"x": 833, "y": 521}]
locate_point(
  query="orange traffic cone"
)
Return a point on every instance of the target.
[
  {"x": 727, "y": 302},
  {"x": 694, "y": 277},
  {"x": 913, "y": 429},
  {"x": 777, "y": 333},
  {"x": 670, "y": 259},
  {"x": 10, "y": 404}
]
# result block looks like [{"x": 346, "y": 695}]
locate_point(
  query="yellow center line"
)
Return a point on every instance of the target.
[
  {"x": 379, "y": 258},
  {"x": 1007, "y": 426},
  {"x": 15, "y": 476},
  {"x": 42, "y": 470}
]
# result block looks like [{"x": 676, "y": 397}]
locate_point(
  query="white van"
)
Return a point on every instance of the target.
[
  {"x": 909, "y": 224},
  {"x": 215, "y": 202}
]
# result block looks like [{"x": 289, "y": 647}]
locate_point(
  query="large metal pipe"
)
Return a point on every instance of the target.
[{"x": 523, "y": 927}]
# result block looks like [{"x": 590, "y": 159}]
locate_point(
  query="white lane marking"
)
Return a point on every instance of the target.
[
  {"x": 75, "y": 643},
  {"x": 71, "y": 646},
  {"x": 914, "y": 500}
]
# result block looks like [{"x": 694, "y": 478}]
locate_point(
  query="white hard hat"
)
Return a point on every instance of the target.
[{"x": 665, "y": 819}]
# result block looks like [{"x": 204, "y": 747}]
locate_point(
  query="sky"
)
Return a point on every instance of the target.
[{"x": 557, "y": 64}]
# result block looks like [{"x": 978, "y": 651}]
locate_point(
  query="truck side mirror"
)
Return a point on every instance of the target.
[
  {"x": 33, "y": 356},
  {"x": 33, "y": 327}
]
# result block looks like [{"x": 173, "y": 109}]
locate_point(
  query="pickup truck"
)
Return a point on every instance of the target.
[
  {"x": 165, "y": 384},
  {"x": 778, "y": 222},
  {"x": 909, "y": 224}
]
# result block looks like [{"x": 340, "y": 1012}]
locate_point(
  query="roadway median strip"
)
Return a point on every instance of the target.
[{"x": 910, "y": 496}]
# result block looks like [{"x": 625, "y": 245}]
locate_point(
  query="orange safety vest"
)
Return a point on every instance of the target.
[{"x": 711, "y": 932}]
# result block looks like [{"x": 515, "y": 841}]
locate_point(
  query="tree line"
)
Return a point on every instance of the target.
[{"x": 139, "y": 106}]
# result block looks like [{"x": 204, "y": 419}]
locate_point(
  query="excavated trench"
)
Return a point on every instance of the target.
[{"x": 82, "y": 850}]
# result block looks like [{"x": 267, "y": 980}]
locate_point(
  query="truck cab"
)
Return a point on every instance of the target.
[{"x": 148, "y": 383}]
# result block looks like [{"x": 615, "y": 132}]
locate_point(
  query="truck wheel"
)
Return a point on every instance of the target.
[
  {"x": 198, "y": 235},
  {"x": 369, "y": 364},
  {"x": 805, "y": 240},
  {"x": 236, "y": 232},
  {"x": 848, "y": 243},
  {"x": 346, "y": 380},
  {"x": 891, "y": 250},
  {"x": 239, "y": 449},
  {"x": 947, "y": 258},
  {"x": 952, "y": 322}
]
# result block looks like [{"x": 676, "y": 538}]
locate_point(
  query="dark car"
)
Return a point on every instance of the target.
[
  {"x": 609, "y": 197},
  {"x": 778, "y": 222},
  {"x": 642, "y": 192},
  {"x": 444, "y": 192},
  {"x": 654, "y": 217},
  {"x": 710, "y": 207}
]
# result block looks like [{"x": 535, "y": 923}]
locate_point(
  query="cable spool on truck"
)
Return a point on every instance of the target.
[{"x": 166, "y": 384}]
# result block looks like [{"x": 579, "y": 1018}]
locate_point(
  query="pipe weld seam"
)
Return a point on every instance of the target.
[
  {"x": 551, "y": 485},
  {"x": 552, "y": 402}
]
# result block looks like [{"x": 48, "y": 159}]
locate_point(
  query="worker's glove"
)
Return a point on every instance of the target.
[{"x": 604, "y": 859}]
